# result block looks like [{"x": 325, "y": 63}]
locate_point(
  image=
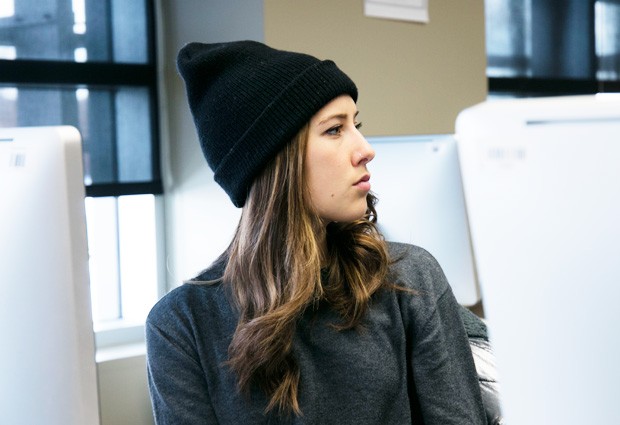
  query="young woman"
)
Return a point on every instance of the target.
[{"x": 309, "y": 317}]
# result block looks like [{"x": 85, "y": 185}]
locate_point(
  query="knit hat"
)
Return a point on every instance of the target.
[{"x": 249, "y": 100}]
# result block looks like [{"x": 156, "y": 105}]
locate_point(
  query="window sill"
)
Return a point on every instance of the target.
[
  {"x": 120, "y": 352},
  {"x": 118, "y": 334}
]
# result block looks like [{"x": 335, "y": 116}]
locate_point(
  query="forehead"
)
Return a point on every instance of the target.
[{"x": 341, "y": 106}]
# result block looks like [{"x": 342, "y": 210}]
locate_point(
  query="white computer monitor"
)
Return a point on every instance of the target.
[
  {"x": 418, "y": 182},
  {"x": 47, "y": 360},
  {"x": 542, "y": 187}
]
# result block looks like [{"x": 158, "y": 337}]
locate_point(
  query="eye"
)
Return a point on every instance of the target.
[
  {"x": 358, "y": 125},
  {"x": 334, "y": 131}
]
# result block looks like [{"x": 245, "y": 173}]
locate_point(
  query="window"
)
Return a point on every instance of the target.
[
  {"x": 542, "y": 47},
  {"x": 122, "y": 239},
  {"x": 91, "y": 64}
]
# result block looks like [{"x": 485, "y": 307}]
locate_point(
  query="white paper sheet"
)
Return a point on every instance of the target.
[{"x": 404, "y": 10}]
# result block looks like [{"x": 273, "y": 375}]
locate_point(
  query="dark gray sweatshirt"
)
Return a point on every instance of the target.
[{"x": 410, "y": 364}]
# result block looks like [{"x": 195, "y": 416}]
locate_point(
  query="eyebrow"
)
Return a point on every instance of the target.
[{"x": 339, "y": 116}]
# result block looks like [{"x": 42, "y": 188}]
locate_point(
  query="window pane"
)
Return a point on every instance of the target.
[
  {"x": 608, "y": 40},
  {"x": 540, "y": 38},
  {"x": 115, "y": 124},
  {"x": 508, "y": 41},
  {"x": 138, "y": 253},
  {"x": 102, "y": 230},
  {"x": 122, "y": 257},
  {"x": 76, "y": 30}
]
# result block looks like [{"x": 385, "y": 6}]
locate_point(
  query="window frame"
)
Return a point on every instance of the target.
[{"x": 94, "y": 74}]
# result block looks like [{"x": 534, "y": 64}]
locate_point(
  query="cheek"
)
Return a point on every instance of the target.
[
  {"x": 322, "y": 166},
  {"x": 326, "y": 177},
  {"x": 325, "y": 181},
  {"x": 320, "y": 185}
]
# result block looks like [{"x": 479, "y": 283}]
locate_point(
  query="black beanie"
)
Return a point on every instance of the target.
[{"x": 249, "y": 100}]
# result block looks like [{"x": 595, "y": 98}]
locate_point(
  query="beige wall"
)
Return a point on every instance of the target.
[
  {"x": 123, "y": 391},
  {"x": 413, "y": 78}
]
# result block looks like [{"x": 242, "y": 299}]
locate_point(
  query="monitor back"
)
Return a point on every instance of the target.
[
  {"x": 47, "y": 360},
  {"x": 418, "y": 182},
  {"x": 542, "y": 187}
]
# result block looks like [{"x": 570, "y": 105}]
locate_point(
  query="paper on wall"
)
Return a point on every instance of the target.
[{"x": 404, "y": 10}]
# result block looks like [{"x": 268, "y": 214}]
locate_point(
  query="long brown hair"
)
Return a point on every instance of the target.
[{"x": 274, "y": 269}]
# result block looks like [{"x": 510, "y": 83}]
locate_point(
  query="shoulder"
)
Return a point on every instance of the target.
[
  {"x": 189, "y": 302},
  {"x": 415, "y": 268},
  {"x": 203, "y": 292},
  {"x": 185, "y": 296},
  {"x": 408, "y": 251},
  {"x": 421, "y": 286},
  {"x": 194, "y": 318},
  {"x": 201, "y": 301}
]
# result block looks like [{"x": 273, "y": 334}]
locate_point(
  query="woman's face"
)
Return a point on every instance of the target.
[{"x": 335, "y": 162}]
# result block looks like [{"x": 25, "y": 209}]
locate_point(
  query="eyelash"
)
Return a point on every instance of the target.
[{"x": 335, "y": 130}]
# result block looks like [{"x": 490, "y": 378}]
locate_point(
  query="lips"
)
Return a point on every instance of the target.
[
  {"x": 363, "y": 179},
  {"x": 363, "y": 183}
]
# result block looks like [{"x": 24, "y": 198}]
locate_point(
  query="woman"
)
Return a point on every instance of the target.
[{"x": 309, "y": 317}]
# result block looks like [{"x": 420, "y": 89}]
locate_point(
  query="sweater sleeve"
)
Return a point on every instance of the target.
[
  {"x": 442, "y": 369},
  {"x": 179, "y": 391}
]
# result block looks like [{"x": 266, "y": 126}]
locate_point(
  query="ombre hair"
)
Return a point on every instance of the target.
[{"x": 275, "y": 264}]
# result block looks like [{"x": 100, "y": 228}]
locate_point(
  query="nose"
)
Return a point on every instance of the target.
[{"x": 364, "y": 153}]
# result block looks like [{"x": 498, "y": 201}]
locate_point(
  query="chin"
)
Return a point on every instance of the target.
[
  {"x": 342, "y": 214},
  {"x": 349, "y": 218}
]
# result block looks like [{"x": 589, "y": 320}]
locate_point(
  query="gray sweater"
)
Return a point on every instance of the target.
[{"x": 410, "y": 363}]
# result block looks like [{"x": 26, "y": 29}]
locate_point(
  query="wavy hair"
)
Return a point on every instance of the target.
[{"x": 274, "y": 269}]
